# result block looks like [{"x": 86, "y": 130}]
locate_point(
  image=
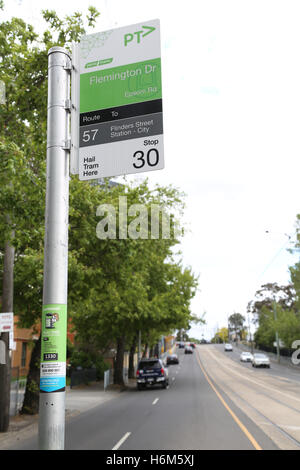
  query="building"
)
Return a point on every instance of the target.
[{"x": 23, "y": 343}]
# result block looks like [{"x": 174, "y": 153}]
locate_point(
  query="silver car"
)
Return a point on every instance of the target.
[
  {"x": 260, "y": 360},
  {"x": 246, "y": 357}
]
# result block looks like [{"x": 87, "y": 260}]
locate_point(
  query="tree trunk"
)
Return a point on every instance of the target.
[
  {"x": 131, "y": 359},
  {"x": 118, "y": 369},
  {"x": 32, "y": 392},
  {"x": 145, "y": 350},
  {"x": 7, "y": 306}
]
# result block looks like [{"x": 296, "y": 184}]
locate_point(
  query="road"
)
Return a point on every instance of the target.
[
  {"x": 213, "y": 403},
  {"x": 269, "y": 397}
]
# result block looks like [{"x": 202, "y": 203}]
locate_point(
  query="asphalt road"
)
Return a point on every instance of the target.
[
  {"x": 282, "y": 370},
  {"x": 269, "y": 397},
  {"x": 193, "y": 413}
]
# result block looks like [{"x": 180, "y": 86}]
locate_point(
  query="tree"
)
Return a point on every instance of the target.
[
  {"x": 138, "y": 285},
  {"x": 236, "y": 323},
  {"x": 284, "y": 295},
  {"x": 221, "y": 336},
  {"x": 284, "y": 299}
]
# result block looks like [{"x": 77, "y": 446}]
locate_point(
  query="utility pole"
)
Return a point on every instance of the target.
[
  {"x": 250, "y": 335},
  {"x": 54, "y": 315},
  {"x": 228, "y": 328},
  {"x": 7, "y": 306},
  {"x": 276, "y": 332}
]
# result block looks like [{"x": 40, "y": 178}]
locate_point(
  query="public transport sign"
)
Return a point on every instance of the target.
[{"x": 119, "y": 90}]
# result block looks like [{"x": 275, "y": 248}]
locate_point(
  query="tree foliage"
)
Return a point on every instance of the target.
[{"x": 221, "y": 336}]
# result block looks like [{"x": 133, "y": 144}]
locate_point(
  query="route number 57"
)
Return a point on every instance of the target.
[{"x": 89, "y": 135}]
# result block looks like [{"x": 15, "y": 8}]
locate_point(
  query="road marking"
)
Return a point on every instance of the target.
[
  {"x": 155, "y": 401},
  {"x": 236, "y": 419},
  {"x": 173, "y": 378},
  {"x": 116, "y": 447}
]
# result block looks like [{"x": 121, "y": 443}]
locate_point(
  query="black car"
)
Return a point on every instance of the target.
[
  {"x": 151, "y": 372},
  {"x": 172, "y": 359}
]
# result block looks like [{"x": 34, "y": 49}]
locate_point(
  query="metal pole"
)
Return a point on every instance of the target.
[
  {"x": 250, "y": 335},
  {"x": 54, "y": 316},
  {"x": 276, "y": 332}
]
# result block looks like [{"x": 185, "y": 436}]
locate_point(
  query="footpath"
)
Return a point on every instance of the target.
[{"x": 78, "y": 400}]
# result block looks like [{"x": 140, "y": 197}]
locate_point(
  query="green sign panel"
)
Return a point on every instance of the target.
[
  {"x": 53, "y": 348},
  {"x": 120, "y": 86}
]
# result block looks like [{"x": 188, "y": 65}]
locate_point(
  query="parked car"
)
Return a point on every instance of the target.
[
  {"x": 151, "y": 372},
  {"x": 246, "y": 356},
  {"x": 188, "y": 350},
  {"x": 172, "y": 359},
  {"x": 228, "y": 347},
  {"x": 260, "y": 360}
]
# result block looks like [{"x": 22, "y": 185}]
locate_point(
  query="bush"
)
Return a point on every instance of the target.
[{"x": 87, "y": 360}]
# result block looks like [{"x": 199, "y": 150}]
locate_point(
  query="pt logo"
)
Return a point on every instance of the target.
[{"x": 138, "y": 35}]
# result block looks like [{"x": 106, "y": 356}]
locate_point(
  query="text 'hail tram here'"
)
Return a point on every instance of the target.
[{"x": 121, "y": 123}]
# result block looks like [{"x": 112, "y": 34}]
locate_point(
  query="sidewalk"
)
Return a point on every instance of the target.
[{"x": 78, "y": 400}]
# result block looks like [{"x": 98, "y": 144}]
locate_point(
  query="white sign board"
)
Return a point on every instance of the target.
[
  {"x": 6, "y": 322},
  {"x": 118, "y": 97},
  {"x": 7, "y": 326}
]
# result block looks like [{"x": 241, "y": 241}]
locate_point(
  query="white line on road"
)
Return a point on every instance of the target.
[
  {"x": 155, "y": 401},
  {"x": 116, "y": 447},
  {"x": 173, "y": 378}
]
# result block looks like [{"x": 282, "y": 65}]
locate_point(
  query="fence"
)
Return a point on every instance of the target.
[
  {"x": 83, "y": 376},
  {"x": 108, "y": 378},
  {"x": 17, "y": 391}
]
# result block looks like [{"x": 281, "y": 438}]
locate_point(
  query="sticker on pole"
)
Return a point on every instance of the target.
[
  {"x": 53, "y": 348},
  {"x": 120, "y": 95}
]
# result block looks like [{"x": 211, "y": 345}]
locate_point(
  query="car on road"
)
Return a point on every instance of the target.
[
  {"x": 181, "y": 345},
  {"x": 246, "y": 356},
  {"x": 260, "y": 360},
  {"x": 151, "y": 372},
  {"x": 188, "y": 350},
  {"x": 228, "y": 347},
  {"x": 172, "y": 359}
]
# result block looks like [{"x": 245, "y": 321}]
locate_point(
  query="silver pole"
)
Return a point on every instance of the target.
[{"x": 53, "y": 366}]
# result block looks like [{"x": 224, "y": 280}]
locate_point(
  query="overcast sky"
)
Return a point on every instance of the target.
[{"x": 231, "y": 100}]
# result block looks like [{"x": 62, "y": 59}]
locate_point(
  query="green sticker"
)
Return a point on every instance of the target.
[{"x": 53, "y": 347}]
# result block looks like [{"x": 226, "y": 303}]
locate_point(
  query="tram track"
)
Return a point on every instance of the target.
[{"x": 237, "y": 385}]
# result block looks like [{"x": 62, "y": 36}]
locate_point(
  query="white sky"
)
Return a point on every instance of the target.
[{"x": 231, "y": 98}]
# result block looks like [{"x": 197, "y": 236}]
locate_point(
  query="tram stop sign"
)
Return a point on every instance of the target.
[{"x": 120, "y": 102}]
